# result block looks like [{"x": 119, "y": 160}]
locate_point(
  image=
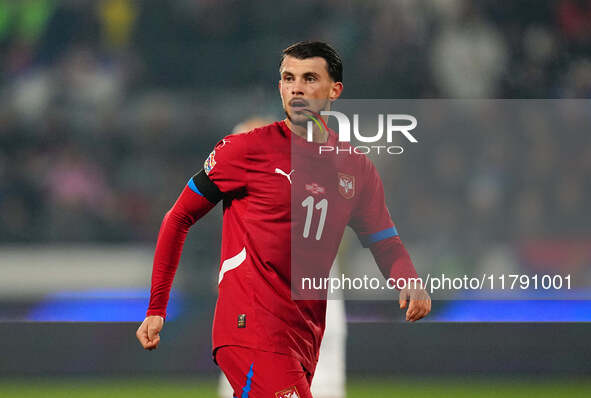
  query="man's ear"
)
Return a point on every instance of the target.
[{"x": 335, "y": 91}]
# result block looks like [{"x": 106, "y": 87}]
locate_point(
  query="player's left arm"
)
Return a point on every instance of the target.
[
  {"x": 395, "y": 263},
  {"x": 373, "y": 224}
]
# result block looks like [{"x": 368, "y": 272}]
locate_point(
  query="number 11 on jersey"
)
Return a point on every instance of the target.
[{"x": 321, "y": 205}]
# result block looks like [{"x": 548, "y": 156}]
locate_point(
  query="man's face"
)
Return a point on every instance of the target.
[{"x": 306, "y": 88}]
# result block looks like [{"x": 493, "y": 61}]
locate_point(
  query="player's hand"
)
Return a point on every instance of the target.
[
  {"x": 149, "y": 332},
  {"x": 419, "y": 303}
]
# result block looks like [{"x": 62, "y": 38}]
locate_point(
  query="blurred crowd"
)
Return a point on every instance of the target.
[{"x": 107, "y": 107}]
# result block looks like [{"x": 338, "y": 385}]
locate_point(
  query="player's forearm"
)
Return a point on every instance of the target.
[
  {"x": 188, "y": 208},
  {"x": 393, "y": 259},
  {"x": 166, "y": 259}
]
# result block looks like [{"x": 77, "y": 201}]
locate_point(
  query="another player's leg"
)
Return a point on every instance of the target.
[
  {"x": 224, "y": 387},
  {"x": 329, "y": 377}
]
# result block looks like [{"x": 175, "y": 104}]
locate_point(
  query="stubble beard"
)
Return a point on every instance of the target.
[{"x": 301, "y": 119}]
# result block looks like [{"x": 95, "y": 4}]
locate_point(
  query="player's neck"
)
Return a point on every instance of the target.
[{"x": 318, "y": 135}]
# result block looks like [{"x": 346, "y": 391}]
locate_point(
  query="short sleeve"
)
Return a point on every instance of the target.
[
  {"x": 370, "y": 218},
  {"x": 225, "y": 165}
]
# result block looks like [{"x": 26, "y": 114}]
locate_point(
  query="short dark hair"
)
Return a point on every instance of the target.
[{"x": 310, "y": 49}]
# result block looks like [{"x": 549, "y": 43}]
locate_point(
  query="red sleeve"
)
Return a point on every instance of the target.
[
  {"x": 189, "y": 207},
  {"x": 373, "y": 225},
  {"x": 223, "y": 173},
  {"x": 370, "y": 215},
  {"x": 393, "y": 259}
]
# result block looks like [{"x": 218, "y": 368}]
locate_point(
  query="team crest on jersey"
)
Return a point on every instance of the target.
[
  {"x": 346, "y": 185},
  {"x": 209, "y": 162},
  {"x": 315, "y": 189},
  {"x": 291, "y": 392}
]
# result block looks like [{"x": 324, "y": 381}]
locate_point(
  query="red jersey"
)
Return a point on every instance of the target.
[{"x": 285, "y": 211}]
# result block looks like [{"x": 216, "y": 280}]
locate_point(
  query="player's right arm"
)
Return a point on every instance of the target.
[
  {"x": 190, "y": 206},
  {"x": 222, "y": 174}
]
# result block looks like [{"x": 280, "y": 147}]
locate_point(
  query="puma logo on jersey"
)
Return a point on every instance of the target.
[
  {"x": 283, "y": 173},
  {"x": 222, "y": 143}
]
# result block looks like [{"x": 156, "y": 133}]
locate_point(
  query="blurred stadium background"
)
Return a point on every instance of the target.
[{"x": 107, "y": 107}]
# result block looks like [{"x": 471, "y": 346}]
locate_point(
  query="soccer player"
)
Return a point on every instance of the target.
[
  {"x": 265, "y": 341},
  {"x": 329, "y": 377}
]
